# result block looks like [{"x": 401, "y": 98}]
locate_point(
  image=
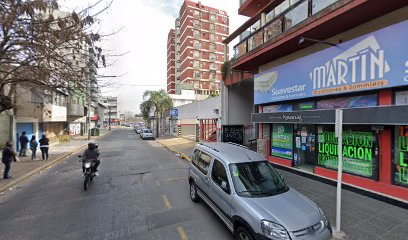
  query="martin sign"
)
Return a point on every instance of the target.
[{"x": 373, "y": 61}]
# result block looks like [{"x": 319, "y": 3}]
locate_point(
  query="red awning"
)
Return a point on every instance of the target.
[{"x": 95, "y": 117}]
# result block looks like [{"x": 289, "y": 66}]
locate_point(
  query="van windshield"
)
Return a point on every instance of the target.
[
  {"x": 148, "y": 131},
  {"x": 256, "y": 179}
]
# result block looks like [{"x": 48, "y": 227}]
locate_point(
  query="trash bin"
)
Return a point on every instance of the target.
[{"x": 94, "y": 132}]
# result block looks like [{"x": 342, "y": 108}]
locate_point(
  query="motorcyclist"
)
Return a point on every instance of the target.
[{"x": 91, "y": 154}]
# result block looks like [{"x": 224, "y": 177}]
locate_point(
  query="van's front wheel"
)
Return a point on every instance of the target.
[
  {"x": 193, "y": 192},
  {"x": 243, "y": 234}
]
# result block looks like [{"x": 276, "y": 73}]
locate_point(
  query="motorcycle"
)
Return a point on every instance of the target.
[{"x": 89, "y": 173}]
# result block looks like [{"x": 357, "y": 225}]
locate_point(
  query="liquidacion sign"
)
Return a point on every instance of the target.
[{"x": 373, "y": 61}]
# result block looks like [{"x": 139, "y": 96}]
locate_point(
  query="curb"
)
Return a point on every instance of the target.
[
  {"x": 49, "y": 164},
  {"x": 182, "y": 155}
]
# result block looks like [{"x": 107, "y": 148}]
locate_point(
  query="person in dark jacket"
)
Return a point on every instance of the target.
[
  {"x": 33, "y": 147},
  {"x": 92, "y": 154},
  {"x": 23, "y": 144},
  {"x": 44, "y": 146},
  {"x": 7, "y": 157}
]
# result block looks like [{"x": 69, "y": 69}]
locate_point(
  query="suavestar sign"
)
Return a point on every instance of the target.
[{"x": 373, "y": 61}]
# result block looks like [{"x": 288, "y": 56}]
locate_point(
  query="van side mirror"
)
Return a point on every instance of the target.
[{"x": 283, "y": 179}]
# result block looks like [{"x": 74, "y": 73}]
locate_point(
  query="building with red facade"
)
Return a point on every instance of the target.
[
  {"x": 199, "y": 51},
  {"x": 171, "y": 62},
  {"x": 311, "y": 57}
]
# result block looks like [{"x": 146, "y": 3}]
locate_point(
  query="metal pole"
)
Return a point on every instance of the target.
[
  {"x": 110, "y": 118},
  {"x": 88, "y": 119},
  {"x": 339, "y": 135}
]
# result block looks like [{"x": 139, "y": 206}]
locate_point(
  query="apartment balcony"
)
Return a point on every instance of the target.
[
  {"x": 250, "y": 7},
  {"x": 315, "y": 19},
  {"x": 75, "y": 110}
]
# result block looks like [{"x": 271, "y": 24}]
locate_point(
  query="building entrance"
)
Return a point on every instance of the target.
[{"x": 304, "y": 155}]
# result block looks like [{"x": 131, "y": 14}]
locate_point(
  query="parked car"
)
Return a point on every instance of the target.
[
  {"x": 146, "y": 134},
  {"x": 137, "y": 129},
  {"x": 250, "y": 197}
]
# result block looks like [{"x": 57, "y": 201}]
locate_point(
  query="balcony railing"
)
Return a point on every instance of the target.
[{"x": 285, "y": 20}]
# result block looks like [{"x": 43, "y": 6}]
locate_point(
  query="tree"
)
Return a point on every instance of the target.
[
  {"x": 44, "y": 48},
  {"x": 157, "y": 101}
]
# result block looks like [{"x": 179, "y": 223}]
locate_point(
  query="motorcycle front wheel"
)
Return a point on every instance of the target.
[{"x": 86, "y": 181}]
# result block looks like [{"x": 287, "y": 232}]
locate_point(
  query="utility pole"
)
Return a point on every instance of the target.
[{"x": 88, "y": 119}]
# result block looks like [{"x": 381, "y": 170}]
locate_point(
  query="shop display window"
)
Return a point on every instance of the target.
[
  {"x": 360, "y": 150},
  {"x": 400, "y": 163},
  {"x": 282, "y": 141}
]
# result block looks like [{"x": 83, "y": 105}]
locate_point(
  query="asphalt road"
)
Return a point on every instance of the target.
[{"x": 142, "y": 193}]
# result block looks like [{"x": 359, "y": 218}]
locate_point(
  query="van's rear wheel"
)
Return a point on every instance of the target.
[
  {"x": 193, "y": 192},
  {"x": 243, "y": 234}
]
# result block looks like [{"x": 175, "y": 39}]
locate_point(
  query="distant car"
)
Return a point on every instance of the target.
[{"x": 146, "y": 134}]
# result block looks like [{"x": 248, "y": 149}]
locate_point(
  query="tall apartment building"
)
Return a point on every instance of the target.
[
  {"x": 171, "y": 62},
  {"x": 199, "y": 51}
]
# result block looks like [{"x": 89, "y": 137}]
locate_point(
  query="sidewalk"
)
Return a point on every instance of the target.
[
  {"x": 26, "y": 167},
  {"x": 363, "y": 218},
  {"x": 181, "y": 146}
]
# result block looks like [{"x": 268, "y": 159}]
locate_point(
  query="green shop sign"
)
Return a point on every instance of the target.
[
  {"x": 282, "y": 140},
  {"x": 401, "y": 174},
  {"x": 359, "y": 152}
]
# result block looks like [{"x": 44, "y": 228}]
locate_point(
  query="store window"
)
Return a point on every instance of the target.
[
  {"x": 282, "y": 141},
  {"x": 360, "y": 150},
  {"x": 400, "y": 163},
  {"x": 348, "y": 102}
]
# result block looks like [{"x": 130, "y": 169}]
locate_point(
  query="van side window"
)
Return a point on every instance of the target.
[
  {"x": 195, "y": 157},
  {"x": 219, "y": 175},
  {"x": 204, "y": 163}
]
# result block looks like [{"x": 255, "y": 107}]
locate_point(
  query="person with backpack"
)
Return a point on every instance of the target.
[
  {"x": 33, "y": 147},
  {"x": 44, "y": 146}
]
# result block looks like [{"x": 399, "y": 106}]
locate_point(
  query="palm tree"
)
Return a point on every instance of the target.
[{"x": 157, "y": 101}]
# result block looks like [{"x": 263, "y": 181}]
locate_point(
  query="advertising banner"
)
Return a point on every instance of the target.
[
  {"x": 373, "y": 61},
  {"x": 359, "y": 152},
  {"x": 282, "y": 140}
]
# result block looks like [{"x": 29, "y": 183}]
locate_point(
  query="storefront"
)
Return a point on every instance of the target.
[{"x": 368, "y": 78}]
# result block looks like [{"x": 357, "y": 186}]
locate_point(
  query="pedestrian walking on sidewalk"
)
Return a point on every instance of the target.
[
  {"x": 23, "y": 144},
  {"x": 33, "y": 147},
  {"x": 7, "y": 157},
  {"x": 44, "y": 146}
]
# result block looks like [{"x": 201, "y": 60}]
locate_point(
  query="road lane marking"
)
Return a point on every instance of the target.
[
  {"x": 157, "y": 183},
  {"x": 166, "y": 202},
  {"x": 171, "y": 179},
  {"x": 182, "y": 233}
]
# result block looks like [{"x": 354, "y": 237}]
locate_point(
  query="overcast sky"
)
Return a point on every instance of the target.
[{"x": 146, "y": 24}]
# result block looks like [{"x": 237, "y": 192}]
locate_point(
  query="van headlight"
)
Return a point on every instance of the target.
[
  {"x": 274, "y": 231},
  {"x": 325, "y": 221}
]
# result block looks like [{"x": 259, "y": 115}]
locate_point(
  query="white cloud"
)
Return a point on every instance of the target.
[{"x": 145, "y": 28}]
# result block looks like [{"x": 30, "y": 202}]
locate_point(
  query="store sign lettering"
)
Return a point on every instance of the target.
[
  {"x": 358, "y": 152},
  {"x": 373, "y": 61},
  {"x": 368, "y": 64}
]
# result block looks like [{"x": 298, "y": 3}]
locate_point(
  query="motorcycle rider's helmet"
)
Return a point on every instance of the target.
[{"x": 91, "y": 145}]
